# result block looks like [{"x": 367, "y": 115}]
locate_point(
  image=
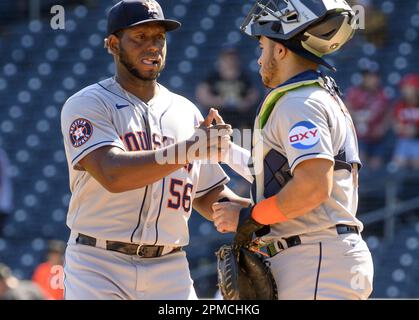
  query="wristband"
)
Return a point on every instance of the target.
[{"x": 268, "y": 212}]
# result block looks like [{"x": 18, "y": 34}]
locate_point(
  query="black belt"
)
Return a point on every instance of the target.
[
  {"x": 275, "y": 247},
  {"x": 144, "y": 251}
]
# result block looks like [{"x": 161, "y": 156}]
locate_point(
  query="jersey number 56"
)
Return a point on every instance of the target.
[{"x": 181, "y": 195}]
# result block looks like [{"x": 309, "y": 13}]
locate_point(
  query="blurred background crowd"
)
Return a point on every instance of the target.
[{"x": 213, "y": 64}]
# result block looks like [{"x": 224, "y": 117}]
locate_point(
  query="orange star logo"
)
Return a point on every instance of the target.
[{"x": 79, "y": 133}]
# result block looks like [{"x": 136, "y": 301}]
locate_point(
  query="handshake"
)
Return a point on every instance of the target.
[{"x": 209, "y": 141}]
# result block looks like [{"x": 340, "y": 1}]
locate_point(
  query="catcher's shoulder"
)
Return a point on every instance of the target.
[
  {"x": 304, "y": 99},
  {"x": 304, "y": 93}
]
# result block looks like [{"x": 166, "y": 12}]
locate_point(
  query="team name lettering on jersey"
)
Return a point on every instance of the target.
[
  {"x": 162, "y": 141},
  {"x": 136, "y": 141}
]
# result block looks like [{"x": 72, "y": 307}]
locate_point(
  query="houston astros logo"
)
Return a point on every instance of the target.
[
  {"x": 80, "y": 132},
  {"x": 151, "y": 6},
  {"x": 304, "y": 135}
]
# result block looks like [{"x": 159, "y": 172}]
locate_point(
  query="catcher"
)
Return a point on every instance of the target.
[{"x": 304, "y": 161}]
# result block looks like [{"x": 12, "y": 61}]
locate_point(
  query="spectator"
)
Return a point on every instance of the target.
[
  {"x": 12, "y": 288},
  {"x": 406, "y": 125},
  {"x": 370, "y": 111},
  {"x": 5, "y": 190},
  {"x": 229, "y": 88},
  {"x": 52, "y": 267}
]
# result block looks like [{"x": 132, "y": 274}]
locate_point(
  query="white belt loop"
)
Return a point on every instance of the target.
[
  {"x": 284, "y": 245},
  {"x": 355, "y": 175},
  {"x": 100, "y": 243},
  {"x": 166, "y": 250},
  {"x": 73, "y": 237}
]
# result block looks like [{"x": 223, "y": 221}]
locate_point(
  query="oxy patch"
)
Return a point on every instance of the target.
[{"x": 304, "y": 135}]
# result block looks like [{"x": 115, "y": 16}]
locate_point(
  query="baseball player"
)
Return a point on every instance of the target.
[
  {"x": 129, "y": 209},
  {"x": 304, "y": 158}
]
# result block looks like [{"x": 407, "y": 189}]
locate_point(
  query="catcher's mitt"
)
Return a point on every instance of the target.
[{"x": 243, "y": 275}]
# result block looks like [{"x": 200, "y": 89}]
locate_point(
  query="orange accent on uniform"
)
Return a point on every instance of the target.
[
  {"x": 42, "y": 277},
  {"x": 268, "y": 212}
]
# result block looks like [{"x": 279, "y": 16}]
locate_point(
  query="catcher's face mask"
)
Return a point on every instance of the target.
[
  {"x": 310, "y": 28},
  {"x": 268, "y": 11}
]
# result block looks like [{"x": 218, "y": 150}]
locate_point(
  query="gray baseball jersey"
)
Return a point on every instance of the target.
[
  {"x": 105, "y": 114},
  {"x": 309, "y": 123}
]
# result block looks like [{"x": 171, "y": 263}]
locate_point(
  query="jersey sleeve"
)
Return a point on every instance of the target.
[
  {"x": 210, "y": 176},
  {"x": 86, "y": 125},
  {"x": 303, "y": 130}
]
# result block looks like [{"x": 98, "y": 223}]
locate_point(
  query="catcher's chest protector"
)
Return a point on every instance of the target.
[{"x": 272, "y": 167}]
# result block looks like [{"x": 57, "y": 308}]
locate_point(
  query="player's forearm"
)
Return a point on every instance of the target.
[
  {"x": 303, "y": 194},
  {"x": 120, "y": 171},
  {"x": 295, "y": 201},
  {"x": 135, "y": 171},
  {"x": 204, "y": 204},
  {"x": 310, "y": 186}
]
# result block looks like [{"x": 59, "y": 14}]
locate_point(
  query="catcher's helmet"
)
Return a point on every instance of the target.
[{"x": 310, "y": 28}]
